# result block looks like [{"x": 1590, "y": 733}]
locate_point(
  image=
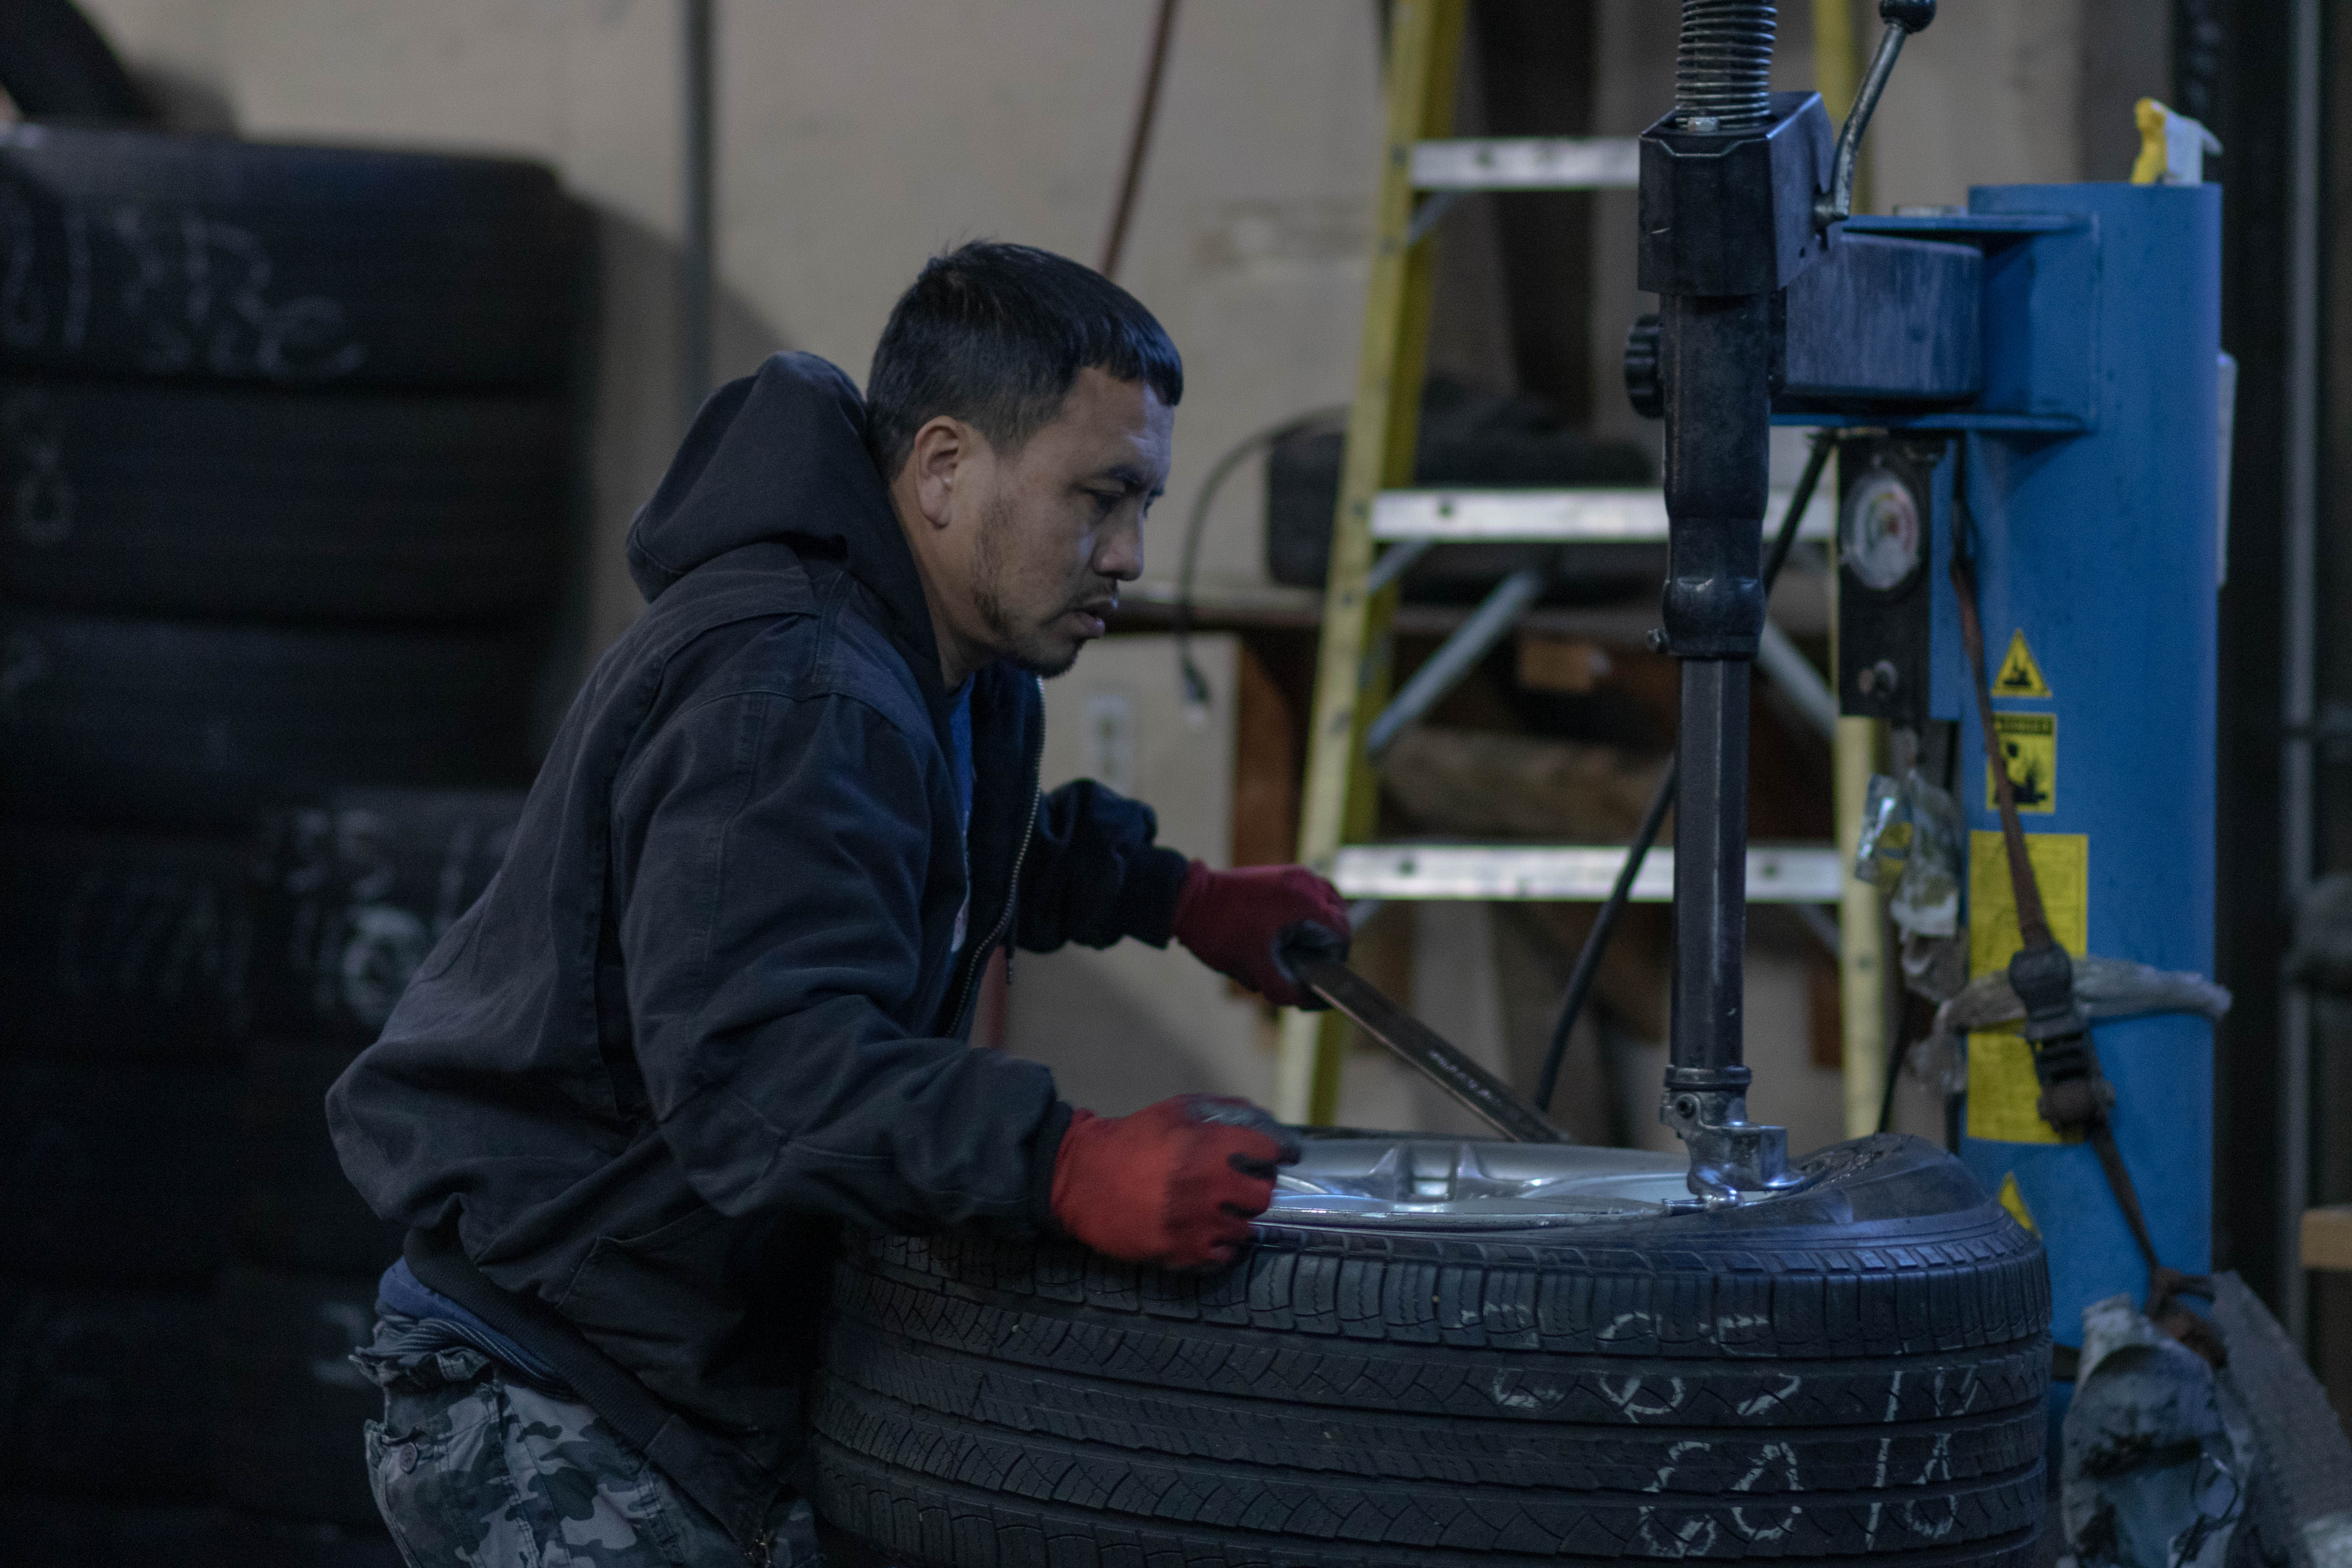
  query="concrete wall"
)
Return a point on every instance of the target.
[
  {"x": 856, "y": 138},
  {"x": 1128, "y": 1024},
  {"x": 854, "y": 141}
]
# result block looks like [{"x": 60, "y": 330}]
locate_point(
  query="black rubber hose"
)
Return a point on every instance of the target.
[
  {"x": 1723, "y": 67},
  {"x": 1596, "y": 940}
]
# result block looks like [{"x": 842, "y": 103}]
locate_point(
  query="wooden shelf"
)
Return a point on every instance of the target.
[{"x": 1800, "y": 608}]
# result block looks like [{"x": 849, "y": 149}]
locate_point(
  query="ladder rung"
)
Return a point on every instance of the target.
[
  {"x": 1799, "y": 874},
  {"x": 1528, "y": 163},
  {"x": 1552, "y": 517}
]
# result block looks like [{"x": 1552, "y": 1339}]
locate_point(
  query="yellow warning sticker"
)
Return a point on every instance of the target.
[
  {"x": 2003, "y": 1089},
  {"x": 2015, "y": 1202},
  {"x": 2029, "y": 749},
  {"x": 2020, "y": 675}
]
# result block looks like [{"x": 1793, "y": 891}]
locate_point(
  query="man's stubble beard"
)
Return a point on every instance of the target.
[{"x": 1011, "y": 642}]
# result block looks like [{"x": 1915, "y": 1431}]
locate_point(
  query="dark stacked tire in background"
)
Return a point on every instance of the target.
[
  {"x": 349, "y": 895},
  {"x": 286, "y": 481}
]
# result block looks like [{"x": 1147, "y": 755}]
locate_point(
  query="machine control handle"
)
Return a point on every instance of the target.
[{"x": 1903, "y": 18}]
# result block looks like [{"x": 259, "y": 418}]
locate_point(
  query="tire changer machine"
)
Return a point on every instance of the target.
[{"x": 2027, "y": 398}]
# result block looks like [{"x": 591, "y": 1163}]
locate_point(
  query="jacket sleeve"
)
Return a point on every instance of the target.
[
  {"x": 1093, "y": 873},
  {"x": 771, "y": 937}
]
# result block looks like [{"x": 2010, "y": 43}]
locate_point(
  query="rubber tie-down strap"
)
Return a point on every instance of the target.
[{"x": 2076, "y": 1098}]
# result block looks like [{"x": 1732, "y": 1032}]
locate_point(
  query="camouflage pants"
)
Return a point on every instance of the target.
[{"x": 474, "y": 1469}]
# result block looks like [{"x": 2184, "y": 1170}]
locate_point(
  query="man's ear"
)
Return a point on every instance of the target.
[{"x": 942, "y": 449}]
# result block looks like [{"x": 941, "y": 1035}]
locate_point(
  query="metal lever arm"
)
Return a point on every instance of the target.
[
  {"x": 1312, "y": 958},
  {"x": 1903, "y": 18}
]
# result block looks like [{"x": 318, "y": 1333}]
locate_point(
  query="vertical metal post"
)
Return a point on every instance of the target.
[
  {"x": 698, "y": 219},
  {"x": 1861, "y": 946},
  {"x": 1862, "y": 959},
  {"x": 1718, "y": 464},
  {"x": 2301, "y": 674},
  {"x": 1711, "y": 876},
  {"x": 1715, "y": 254}
]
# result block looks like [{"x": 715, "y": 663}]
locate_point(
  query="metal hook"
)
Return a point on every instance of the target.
[{"x": 1903, "y": 18}]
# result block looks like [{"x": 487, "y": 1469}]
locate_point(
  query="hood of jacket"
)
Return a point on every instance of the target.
[{"x": 780, "y": 455}]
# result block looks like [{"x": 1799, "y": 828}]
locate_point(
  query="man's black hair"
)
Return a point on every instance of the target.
[{"x": 994, "y": 335}]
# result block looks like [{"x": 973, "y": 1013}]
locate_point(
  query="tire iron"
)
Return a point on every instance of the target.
[{"x": 1316, "y": 961}]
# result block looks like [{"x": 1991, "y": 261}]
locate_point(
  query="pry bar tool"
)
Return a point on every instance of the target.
[{"x": 1315, "y": 960}]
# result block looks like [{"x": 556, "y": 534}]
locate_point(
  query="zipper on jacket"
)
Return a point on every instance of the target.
[{"x": 1013, "y": 889}]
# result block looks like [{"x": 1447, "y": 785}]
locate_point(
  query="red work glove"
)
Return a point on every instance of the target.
[
  {"x": 1232, "y": 920},
  {"x": 1175, "y": 1184}
]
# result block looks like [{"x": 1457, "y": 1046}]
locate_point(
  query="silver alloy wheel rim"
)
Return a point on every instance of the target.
[{"x": 1460, "y": 1183}]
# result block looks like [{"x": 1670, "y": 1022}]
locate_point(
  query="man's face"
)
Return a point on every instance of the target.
[{"x": 1062, "y": 521}]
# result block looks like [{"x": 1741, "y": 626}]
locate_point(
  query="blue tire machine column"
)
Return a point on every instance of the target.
[
  {"x": 2104, "y": 550},
  {"x": 2091, "y": 457}
]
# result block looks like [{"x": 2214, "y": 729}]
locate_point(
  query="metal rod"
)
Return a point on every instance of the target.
[
  {"x": 1861, "y": 929},
  {"x": 1425, "y": 216},
  {"x": 1838, "y": 205},
  {"x": 1502, "y": 609},
  {"x": 697, "y": 220},
  {"x": 1395, "y": 562},
  {"x": 1819, "y": 926},
  {"x": 1798, "y": 681},
  {"x": 1429, "y": 1053},
  {"x": 1711, "y": 870},
  {"x": 2301, "y": 673}
]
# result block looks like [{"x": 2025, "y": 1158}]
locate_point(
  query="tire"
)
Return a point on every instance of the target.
[
  {"x": 127, "y": 253},
  {"x": 143, "y": 499},
  {"x": 183, "y": 725},
  {"x": 295, "y": 1210},
  {"x": 1859, "y": 1369},
  {"x": 352, "y": 893},
  {"x": 123, "y": 947},
  {"x": 291, "y": 1434},
  {"x": 115, "y": 1175},
  {"x": 108, "y": 1394}
]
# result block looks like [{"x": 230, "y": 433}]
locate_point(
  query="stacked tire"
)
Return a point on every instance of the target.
[
  {"x": 286, "y": 478},
  {"x": 348, "y": 897}
]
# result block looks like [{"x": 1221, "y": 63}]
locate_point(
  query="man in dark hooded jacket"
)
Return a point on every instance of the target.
[{"x": 716, "y": 1003}]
